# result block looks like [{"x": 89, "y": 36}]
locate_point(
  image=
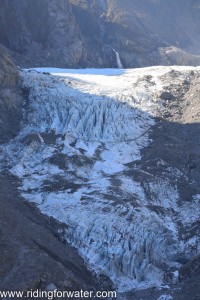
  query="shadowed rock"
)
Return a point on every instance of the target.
[{"x": 11, "y": 98}]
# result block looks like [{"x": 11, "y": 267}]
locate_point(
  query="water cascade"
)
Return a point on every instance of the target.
[{"x": 119, "y": 63}]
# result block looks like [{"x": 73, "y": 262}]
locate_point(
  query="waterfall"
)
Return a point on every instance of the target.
[{"x": 119, "y": 63}]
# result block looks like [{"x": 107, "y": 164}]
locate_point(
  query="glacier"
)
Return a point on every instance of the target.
[{"x": 78, "y": 155}]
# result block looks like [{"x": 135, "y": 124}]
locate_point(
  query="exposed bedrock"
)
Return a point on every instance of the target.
[{"x": 11, "y": 97}]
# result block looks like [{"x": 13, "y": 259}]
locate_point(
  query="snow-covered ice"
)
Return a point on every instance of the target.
[{"x": 165, "y": 297}]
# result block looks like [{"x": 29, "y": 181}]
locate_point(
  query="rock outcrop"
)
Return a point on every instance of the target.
[
  {"x": 41, "y": 32},
  {"x": 142, "y": 31},
  {"x": 11, "y": 98}
]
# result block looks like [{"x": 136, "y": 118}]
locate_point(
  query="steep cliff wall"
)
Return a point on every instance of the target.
[
  {"x": 41, "y": 32},
  {"x": 143, "y": 30},
  {"x": 10, "y": 97},
  {"x": 83, "y": 33}
]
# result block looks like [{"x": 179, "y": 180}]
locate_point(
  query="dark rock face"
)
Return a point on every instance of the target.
[
  {"x": 41, "y": 32},
  {"x": 9, "y": 76},
  {"x": 11, "y": 99},
  {"x": 144, "y": 31},
  {"x": 82, "y": 33}
]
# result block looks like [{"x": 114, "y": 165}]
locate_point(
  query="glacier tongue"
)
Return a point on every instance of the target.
[{"x": 76, "y": 154}]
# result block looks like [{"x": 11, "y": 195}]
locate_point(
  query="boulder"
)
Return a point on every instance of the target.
[{"x": 166, "y": 96}]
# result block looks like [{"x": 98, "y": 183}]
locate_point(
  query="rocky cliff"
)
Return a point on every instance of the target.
[
  {"x": 41, "y": 32},
  {"x": 11, "y": 98},
  {"x": 83, "y": 33}
]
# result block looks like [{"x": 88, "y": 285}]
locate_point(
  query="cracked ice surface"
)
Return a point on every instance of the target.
[{"x": 101, "y": 120}]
